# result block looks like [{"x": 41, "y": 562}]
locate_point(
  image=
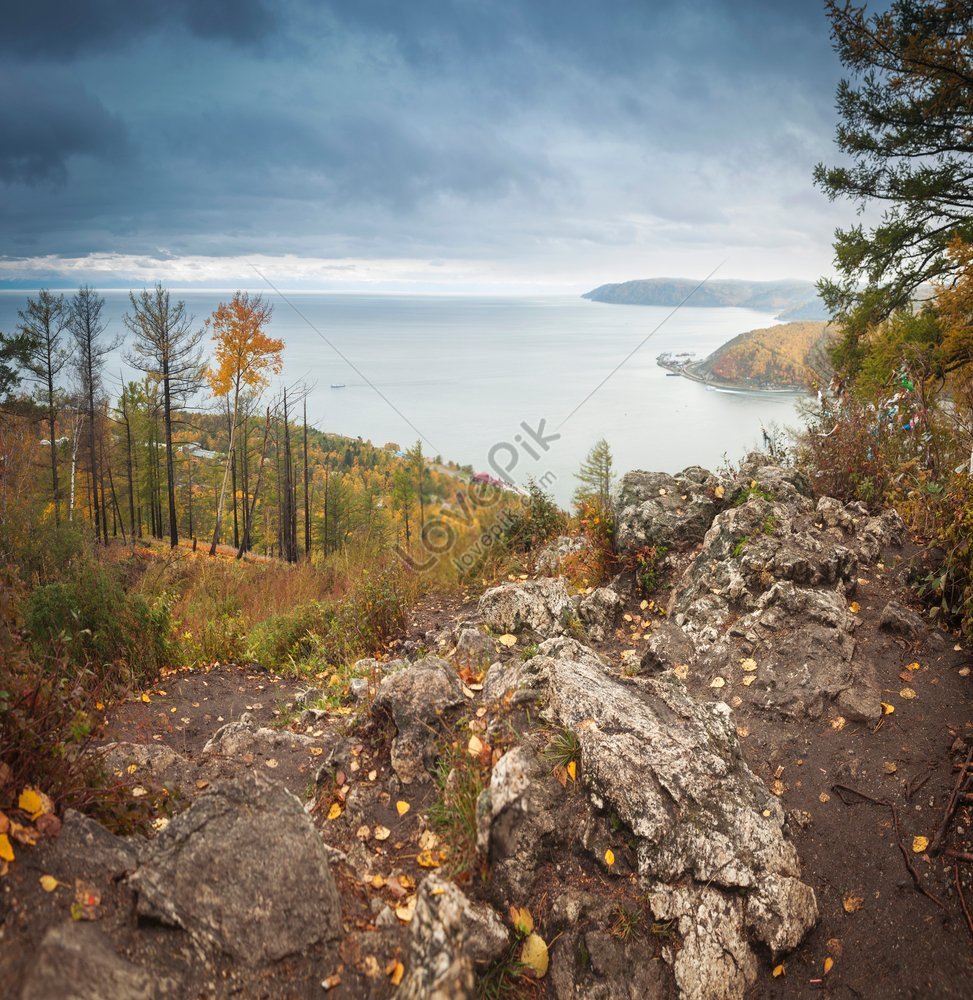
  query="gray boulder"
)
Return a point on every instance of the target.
[
  {"x": 541, "y": 607},
  {"x": 474, "y": 650},
  {"x": 244, "y": 736},
  {"x": 671, "y": 769},
  {"x": 516, "y": 821},
  {"x": 451, "y": 939},
  {"x": 657, "y": 509},
  {"x": 242, "y": 871},
  {"x": 99, "y": 852},
  {"x": 900, "y": 620},
  {"x": 715, "y": 959},
  {"x": 599, "y": 612},
  {"x": 76, "y": 961},
  {"x": 414, "y": 698}
]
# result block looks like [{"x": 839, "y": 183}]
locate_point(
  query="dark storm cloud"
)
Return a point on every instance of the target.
[
  {"x": 447, "y": 128},
  {"x": 59, "y": 28},
  {"x": 52, "y": 119}
]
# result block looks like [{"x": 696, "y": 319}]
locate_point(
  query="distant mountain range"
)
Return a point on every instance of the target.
[{"x": 797, "y": 300}]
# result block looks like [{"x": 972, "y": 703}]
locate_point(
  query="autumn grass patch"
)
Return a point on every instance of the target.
[{"x": 460, "y": 779}]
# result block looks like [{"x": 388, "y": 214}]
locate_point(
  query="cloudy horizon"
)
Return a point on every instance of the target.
[{"x": 456, "y": 145}]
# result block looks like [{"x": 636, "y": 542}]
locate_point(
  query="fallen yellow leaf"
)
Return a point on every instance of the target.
[
  {"x": 852, "y": 904},
  {"x": 839, "y": 723},
  {"x": 507, "y": 640},
  {"x": 913, "y": 666},
  {"x": 719, "y": 492},
  {"x": 778, "y": 787},
  {"x": 6, "y": 850},
  {"x": 402, "y": 807},
  {"x": 609, "y": 857},
  {"x": 522, "y": 920},
  {"x": 907, "y": 693},
  {"x": 890, "y": 767},
  {"x": 316, "y": 751},
  {"x": 824, "y": 797},
  {"x": 749, "y": 664},
  {"x": 407, "y": 910},
  {"x": 48, "y": 883},
  {"x": 919, "y": 844},
  {"x": 146, "y": 698},
  {"x": 427, "y": 859},
  {"x": 395, "y": 971},
  {"x": 34, "y": 803},
  {"x": 378, "y": 881},
  {"x": 828, "y": 964},
  {"x": 475, "y": 746},
  {"x": 335, "y": 811},
  {"x": 717, "y": 682},
  {"x": 572, "y": 770},
  {"x": 749, "y": 679},
  {"x": 382, "y": 833},
  {"x": 534, "y": 955},
  {"x": 854, "y": 607},
  {"x": 779, "y": 970},
  {"x": 887, "y": 709}
]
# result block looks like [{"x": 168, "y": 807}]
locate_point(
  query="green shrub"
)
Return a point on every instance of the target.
[
  {"x": 290, "y": 635},
  {"x": 222, "y": 639},
  {"x": 42, "y": 552},
  {"x": 88, "y": 618},
  {"x": 538, "y": 519}
]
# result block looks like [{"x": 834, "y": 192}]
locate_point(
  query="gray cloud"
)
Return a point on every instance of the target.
[
  {"x": 52, "y": 119},
  {"x": 547, "y": 131},
  {"x": 65, "y": 28}
]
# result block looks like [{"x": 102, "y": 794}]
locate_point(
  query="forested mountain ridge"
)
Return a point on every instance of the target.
[{"x": 782, "y": 298}]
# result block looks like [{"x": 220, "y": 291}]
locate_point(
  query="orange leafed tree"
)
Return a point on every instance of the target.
[{"x": 245, "y": 358}]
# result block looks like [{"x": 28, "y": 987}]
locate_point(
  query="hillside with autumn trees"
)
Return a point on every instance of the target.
[
  {"x": 786, "y": 356},
  {"x": 193, "y": 516}
]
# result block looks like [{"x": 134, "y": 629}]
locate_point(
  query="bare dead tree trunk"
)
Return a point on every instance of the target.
[{"x": 307, "y": 493}]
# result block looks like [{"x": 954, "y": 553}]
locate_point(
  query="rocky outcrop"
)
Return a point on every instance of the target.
[
  {"x": 773, "y": 583},
  {"x": 162, "y": 763},
  {"x": 539, "y": 607},
  {"x": 414, "y": 698},
  {"x": 614, "y": 965},
  {"x": 516, "y": 821},
  {"x": 243, "y": 872},
  {"x": 599, "y": 612},
  {"x": 245, "y": 736},
  {"x": 656, "y": 509},
  {"x": 452, "y": 939},
  {"x": 670, "y": 768}
]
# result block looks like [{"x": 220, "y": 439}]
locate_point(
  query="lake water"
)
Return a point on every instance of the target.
[{"x": 466, "y": 374}]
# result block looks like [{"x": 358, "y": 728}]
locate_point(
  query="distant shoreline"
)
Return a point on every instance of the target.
[{"x": 685, "y": 370}]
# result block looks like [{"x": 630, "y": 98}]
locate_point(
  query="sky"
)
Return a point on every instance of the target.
[{"x": 440, "y": 145}]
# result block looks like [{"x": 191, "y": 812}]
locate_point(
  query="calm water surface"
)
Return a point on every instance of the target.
[{"x": 465, "y": 373}]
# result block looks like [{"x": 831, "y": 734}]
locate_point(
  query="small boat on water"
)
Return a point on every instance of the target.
[{"x": 338, "y": 385}]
